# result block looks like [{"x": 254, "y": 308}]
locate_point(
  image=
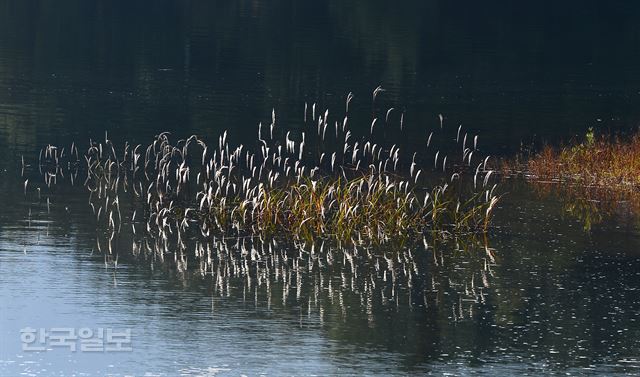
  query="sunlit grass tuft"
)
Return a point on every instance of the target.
[
  {"x": 599, "y": 161},
  {"x": 322, "y": 181},
  {"x": 597, "y": 177}
]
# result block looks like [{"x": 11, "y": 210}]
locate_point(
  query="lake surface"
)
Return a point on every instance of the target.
[{"x": 551, "y": 298}]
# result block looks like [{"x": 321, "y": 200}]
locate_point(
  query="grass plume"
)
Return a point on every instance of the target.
[{"x": 331, "y": 184}]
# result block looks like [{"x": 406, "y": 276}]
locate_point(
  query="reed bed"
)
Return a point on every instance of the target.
[
  {"x": 597, "y": 177},
  {"x": 611, "y": 163},
  {"x": 319, "y": 182}
]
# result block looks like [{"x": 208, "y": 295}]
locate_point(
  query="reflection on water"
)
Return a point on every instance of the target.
[
  {"x": 593, "y": 205},
  {"x": 539, "y": 298},
  {"x": 314, "y": 302}
]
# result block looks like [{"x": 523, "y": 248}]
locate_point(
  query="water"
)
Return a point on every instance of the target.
[{"x": 556, "y": 300}]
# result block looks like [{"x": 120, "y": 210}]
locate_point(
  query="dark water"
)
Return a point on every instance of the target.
[{"x": 554, "y": 299}]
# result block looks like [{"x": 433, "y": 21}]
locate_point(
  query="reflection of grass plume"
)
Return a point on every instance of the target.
[
  {"x": 451, "y": 278},
  {"x": 592, "y": 205}
]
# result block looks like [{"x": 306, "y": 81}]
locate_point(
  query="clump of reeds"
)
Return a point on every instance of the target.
[
  {"x": 598, "y": 161},
  {"x": 596, "y": 177},
  {"x": 368, "y": 207},
  {"x": 331, "y": 184}
]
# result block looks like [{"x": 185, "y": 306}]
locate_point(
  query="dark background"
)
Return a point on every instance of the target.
[{"x": 512, "y": 71}]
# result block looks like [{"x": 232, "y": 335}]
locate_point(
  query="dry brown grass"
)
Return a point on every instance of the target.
[
  {"x": 596, "y": 178},
  {"x": 612, "y": 163}
]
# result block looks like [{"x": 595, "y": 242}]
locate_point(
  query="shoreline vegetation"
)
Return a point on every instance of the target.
[
  {"x": 319, "y": 182},
  {"x": 596, "y": 177},
  {"x": 608, "y": 162}
]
